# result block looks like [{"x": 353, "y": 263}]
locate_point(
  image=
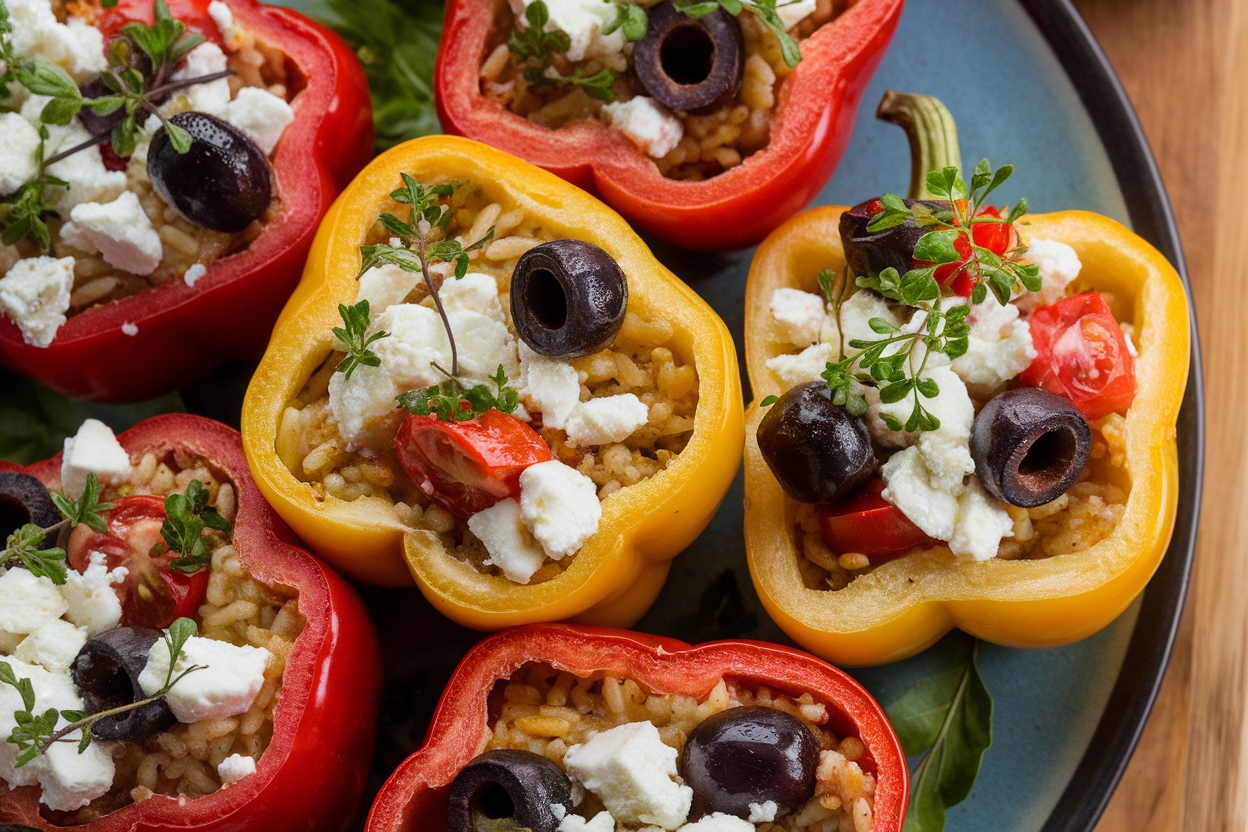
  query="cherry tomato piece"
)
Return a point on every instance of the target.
[
  {"x": 466, "y": 467},
  {"x": 997, "y": 237},
  {"x": 867, "y": 523},
  {"x": 152, "y": 594},
  {"x": 1081, "y": 355}
]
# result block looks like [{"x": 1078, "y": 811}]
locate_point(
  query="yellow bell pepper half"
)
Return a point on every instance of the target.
[
  {"x": 618, "y": 572},
  {"x": 905, "y": 605}
]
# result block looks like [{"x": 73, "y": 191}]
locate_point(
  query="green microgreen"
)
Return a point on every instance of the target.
[
  {"x": 535, "y": 48},
  {"x": 764, "y": 10},
  {"x": 353, "y": 335},
  {"x": 86, "y": 509},
  {"x": 187, "y": 517},
  {"x": 453, "y": 401},
  {"x": 629, "y": 16},
  {"x": 35, "y": 733}
]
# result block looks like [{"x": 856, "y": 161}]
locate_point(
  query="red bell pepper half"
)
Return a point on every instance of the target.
[
  {"x": 186, "y": 333},
  {"x": 414, "y": 799},
  {"x": 810, "y": 130},
  {"x": 312, "y": 775}
]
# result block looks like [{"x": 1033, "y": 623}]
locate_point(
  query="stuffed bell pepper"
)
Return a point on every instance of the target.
[
  {"x": 704, "y": 124},
  {"x": 169, "y": 660},
  {"x": 163, "y": 171},
  {"x": 487, "y": 383},
  {"x": 555, "y": 728},
  {"x": 965, "y": 417}
]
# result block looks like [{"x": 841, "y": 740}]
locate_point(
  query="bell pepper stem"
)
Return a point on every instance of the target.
[{"x": 932, "y": 132}]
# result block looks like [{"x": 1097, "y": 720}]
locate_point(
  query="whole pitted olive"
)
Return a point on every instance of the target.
[
  {"x": 23, "y": 499},
  {"x": 508, "y": 789},
  {"x": 568, "y": 298},
  {"x": 106, "y": 671},
  {"x": 223, "y": 182},
  {"x": 1029, "y": 446},
  {"x": 817, "y": 450},
  {"x": 690, "y": 65},
  {"x": 869, "y": 253},
  {"x": 749, "y": 755}
]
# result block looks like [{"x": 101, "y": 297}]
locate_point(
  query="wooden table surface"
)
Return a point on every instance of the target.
[{"x": 1185, "y": 67}]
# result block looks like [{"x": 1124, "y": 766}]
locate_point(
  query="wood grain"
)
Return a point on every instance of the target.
[{"x": 1185, "y": 67}]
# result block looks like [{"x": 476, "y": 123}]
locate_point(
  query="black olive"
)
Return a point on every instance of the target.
[
  {"x": 749, "y": 755},
  {"x": 1029, "y": 446},
  {"x": 817, "y": 450},
  {"x": 869, "y": 253},
  {"x": 508, "y": 789},
  {"x": 568, "y": 298},
  {"x": 106, "y": 671},
  {"x": 690, "y": 65},
  {"x": 23, "y": 499},
  {"x": 223, "y": 182},
  {"x": 96, "y": 124}
]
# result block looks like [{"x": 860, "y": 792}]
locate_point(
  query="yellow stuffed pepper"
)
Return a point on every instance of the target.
[
  {"x": 881, "y": 569},
  {"x": 485, "y": 382}
]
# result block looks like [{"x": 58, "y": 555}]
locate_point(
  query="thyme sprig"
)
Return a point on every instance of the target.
[
  {"x": 23, "y": 546},
  {"x": 353, "y": 335},
  {"x": 537, "y": 48},
  {"x": 453, "y": 401},
  {"x": 35, "y": 733}
]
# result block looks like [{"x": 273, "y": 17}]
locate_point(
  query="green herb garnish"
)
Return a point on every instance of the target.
[
  {"x": 764, "y": 10},
  {"x": 353, "y": 335},
  {"x": 23, "y": 546},
  {"x": 453, "y": 401},
  {"x": 187, "y": 516},
  {"x": 537, "y": 47}
]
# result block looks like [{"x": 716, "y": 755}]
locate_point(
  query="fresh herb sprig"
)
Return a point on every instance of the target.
[
  {"x": 187, "y": 516},
  {"x": 764, "y": 10},
  {"x": 453, "y": 401},
  {"x": 537, "y": 47},
  {"x": 629, "y": 16},
  {"x": 423, "y": 241},
  {"x": 353, "y": 335},
  {"x": 35, "y": 733},
  {"x": 23, "y": 546}
]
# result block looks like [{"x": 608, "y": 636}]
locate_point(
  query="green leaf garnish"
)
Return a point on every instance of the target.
[
  {"x": 353, "y": 335},
  {"x": 188, "y": 515},
  {"x": 86, "y": 509},
  {"x": 452, "y": 401}
]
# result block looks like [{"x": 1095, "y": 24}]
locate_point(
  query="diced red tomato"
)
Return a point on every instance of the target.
[
  {"x": 466, "y": 467},
  {"x": 153, "y": 594},
  {"x": 997, "y": 237},
  {"x": 1082, "y": 356},
  {"x": 867, "y": 523}
]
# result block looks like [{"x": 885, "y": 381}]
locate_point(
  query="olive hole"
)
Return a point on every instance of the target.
[
  {"x": 110, "y": 684},
  {"x": 1047, "y": 460},
  {"x": 545, "y": 299},
  {"x": 13, "y": 514},
  {"x": 491, "y": 801},
  {"x": 687, "y": 54}
]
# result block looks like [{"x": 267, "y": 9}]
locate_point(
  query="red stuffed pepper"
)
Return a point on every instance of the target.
[
  {"x": 182, "y": 300},
  {"x": 709, "y": 174},
  {"x": 317, "y": 707},
  {"x": 536, "y": 714}
]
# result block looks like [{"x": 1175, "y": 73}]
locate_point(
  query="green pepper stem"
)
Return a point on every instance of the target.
[{"x": 932, "y": 132}]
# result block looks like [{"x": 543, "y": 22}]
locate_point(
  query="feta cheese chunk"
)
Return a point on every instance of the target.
[
  {"x": 9, "y": 642},
  {"x": 631, "y": 771},
  {"x": 647, "y": 123},
  {"x": 807, "y": 365},
  {"x": 856, "y": 314},
  {"x": 548, "y": 385},
  {"x": 122, "y": 232},
  {"x": 19, "y": 141},
  {"x": 606, "y": 419},
  {"x": 234, "y": 768},
  {"x": 259, "y": 115},
  {"x": 384, "y": 286},
  {"x": 504, "y": 535},
  {"x": 946, "y": 450},
  {"x": 224, "y": 18},
  {"x": 601, "y": 822},
  {"x": 75, "y": 46},
  {"x": 28, "y": 602},
  {"x": 719, "y": 822},
  {"x": 89, "y": 180},
  {"x": 474, "y": 292},
  {"x": 793, "y": 13},
  {"x": 560, "y": 506},
  {"x": 53, "y": 646},
  {"x": 798, "y": 315},
  {"x": 93, "y": 605},
  {"x": 982, "y": 522},
  {"x": 417, "y": 340},
  {"x": 998, "y": 348},
  {"x": 192, "y": 275},
  {"x": 764, "y": 812},
  {"x": 93, "y": 450},
  {"x": 1059, "y": 266},
  {"x": 582, "y": 21},
  {"x": 212, "y": 97},
  {"x": 226, "y": 686},
  {"x": 363, "y": 405},
  {"x": 909, "y": 486},
  {"x": 35, "y": 296}
]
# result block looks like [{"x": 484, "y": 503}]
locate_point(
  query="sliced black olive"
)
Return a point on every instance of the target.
[
  {"x": 690, "y": 65},
  {"x": 106, "y": 671},
  {"x": 1029, "y": 446},
  {"x": 97, "y": 124},
  {"x": 869, "y": 253},
  {"x": 508, "y": 789},
  {"x": 568, "y": 298},
  {"x": 749, "y": 755},
  {"x": 23, "y": 499},
  {"x": 223, "y": 182},
  {"x": 818, "y": 451}
]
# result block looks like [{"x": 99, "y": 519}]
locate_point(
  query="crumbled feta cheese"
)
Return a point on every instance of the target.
[
  {"x": 474, "y": 292},
  {"x": 35, "y": 295},
  {"x": 19, "y": 141},
  {"x": 28, "y": 602},
  {"x": 602, "y": 822},
  {"x": 93, "y": 450},
  {"x": 212, "y": 97},
  {"x": 583, "y": 21},
  {"x": 384, "y": 286},
  {"x": 53, "y": 646},
  {"x": 719, "y": 822},
  {"x": 224, "y": 18},
  {"x": 631, "y": 771},
  {"x": 856, "y": 314},
  {"x": 9, "y": 642},
  {"x": 647, "y": 123},
  {"x": 364, "y": 405},
  {"x": 128, "y": 328},
  {"x": 946, "y": 450},
  {"x": 504, "y": 535},
  {"x": 226, "y": 686},
  {"x": 75, "y": 45},
  {"x": 807, "y": 365},
  {"x": 606, "y": 419},
  {"x": 793, "y": 13},
  {"x": 194, "y": 273},
  {"x": 72, "y": 235},
  {"x": 260, "y": 116},
  {"x": 418, "y": 339},
  {"x": 89, "y": 180},
  {"x": 798, "y": 315},
  {"x": 548, "y": 385},
  {"x": 560, "y": 506},
  {"x": 764, "y": 812},
  {"x": 92, "y": 603},
  {"x": 998, "y": 348},
  {"x": 981, "y": 524},
  {"x": 559, "y": 811},
  {"x": 1059, "y": 266},
  {"x": 908, "y": 485},
  {"x": 122, "y": 232},
  {"x": 234, "y": 768}
]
